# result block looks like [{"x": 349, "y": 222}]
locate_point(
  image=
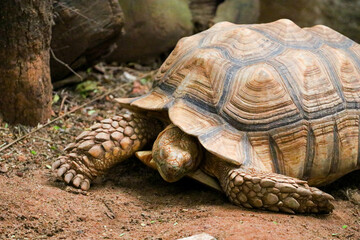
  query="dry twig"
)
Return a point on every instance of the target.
[{"x": 74, "y": 110}]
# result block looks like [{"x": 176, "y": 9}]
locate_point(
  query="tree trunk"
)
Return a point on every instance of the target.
[{"x": 25, "y": 85}]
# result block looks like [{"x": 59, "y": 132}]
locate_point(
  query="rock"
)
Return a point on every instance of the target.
[
  {"x": 3, "y": 168},
  {"x": 151, "y": 27},
  {"x": 342, "y": 16},
  {"x": 203, "y": 13},
  {"x": 202, "y": 236},
  {"x": 83, "y": 32},
  {"x": 238, "y": 11}
]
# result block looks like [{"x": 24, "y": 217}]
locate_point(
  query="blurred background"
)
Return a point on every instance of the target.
[{"x": 145, "y": 31}]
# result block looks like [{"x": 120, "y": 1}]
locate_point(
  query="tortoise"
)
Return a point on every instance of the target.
[{"x": 263, "y": 112}]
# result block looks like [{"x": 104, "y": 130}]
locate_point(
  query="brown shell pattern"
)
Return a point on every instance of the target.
[{"x": 276, "y": 85}]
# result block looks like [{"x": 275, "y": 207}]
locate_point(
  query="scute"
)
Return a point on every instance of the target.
[
  {"x": 230, "y": 82},
  {"x": 258, "y": 95}
]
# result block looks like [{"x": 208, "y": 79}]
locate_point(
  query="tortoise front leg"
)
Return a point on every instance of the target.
[
  {"x": 275, "y": 192},
  {"x": 106, "y": 144}
]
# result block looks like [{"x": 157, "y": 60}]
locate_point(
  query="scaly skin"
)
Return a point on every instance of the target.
[
  {"x": 275, "y": 192},
  {"x": 108, "y": 143},
  {"x": 245, "y": 187},
  {"x": 116, "y": 139}
]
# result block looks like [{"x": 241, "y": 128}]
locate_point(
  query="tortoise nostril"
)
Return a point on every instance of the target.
[{"x": 163, "y": 153}]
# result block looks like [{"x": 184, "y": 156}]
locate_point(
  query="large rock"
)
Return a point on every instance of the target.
[
  {"x": 203, "y": 13},
  {"x": 238, "y": 11},
  {"x": 83, "y": 31},
  {"x": 151, "y": 28},
  {"x": 341, "y": 15}
]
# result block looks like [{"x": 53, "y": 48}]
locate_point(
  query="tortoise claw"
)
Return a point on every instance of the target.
[
  {"x": 77, "y": 180},
  {"x": 68, "y": 177},
  {"x": 85, "y": 185},
  {"x": 56, "y": 164},
  {"x": 63, "y": 169}
]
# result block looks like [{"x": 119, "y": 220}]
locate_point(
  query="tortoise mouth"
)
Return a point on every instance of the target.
[
  {"x": 171, "y": 173},
  {"x": 169, "y": 177}
]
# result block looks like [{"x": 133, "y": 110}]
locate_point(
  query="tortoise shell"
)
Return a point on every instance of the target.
[{"x": 293, "y": 92}]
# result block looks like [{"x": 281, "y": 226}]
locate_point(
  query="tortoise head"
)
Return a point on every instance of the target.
[{"x": 176, "y": 153}]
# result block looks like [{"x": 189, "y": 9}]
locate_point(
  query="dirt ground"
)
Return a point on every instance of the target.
[{"x": 132, "y": 201}]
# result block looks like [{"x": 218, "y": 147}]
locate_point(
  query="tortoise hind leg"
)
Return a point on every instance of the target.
[
  {"x": 106, "y": 144},
  {"x": 275, "y": 192}
]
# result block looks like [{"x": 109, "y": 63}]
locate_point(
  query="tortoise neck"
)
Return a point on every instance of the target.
[{"x": 215, "y": 166}]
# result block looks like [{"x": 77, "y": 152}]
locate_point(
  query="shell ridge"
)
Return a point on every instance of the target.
[
  {"x": 319, "y": 41},
  {"x": 310, "y": 153},
  {"x": 334, "y": 78},
  {"x": 335, "y": 160}
]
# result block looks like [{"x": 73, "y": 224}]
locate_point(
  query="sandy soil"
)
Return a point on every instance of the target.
[{"x": 132, "y": 201}]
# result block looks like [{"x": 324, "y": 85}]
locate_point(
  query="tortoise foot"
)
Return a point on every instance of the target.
[
  {"x": 64, "y": 169},
  {"x": 106, "y": 143},
  {"x": 253, "y": 189}
]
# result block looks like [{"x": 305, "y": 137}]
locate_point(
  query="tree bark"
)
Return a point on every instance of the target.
[{"x": 25, "y": 85}]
